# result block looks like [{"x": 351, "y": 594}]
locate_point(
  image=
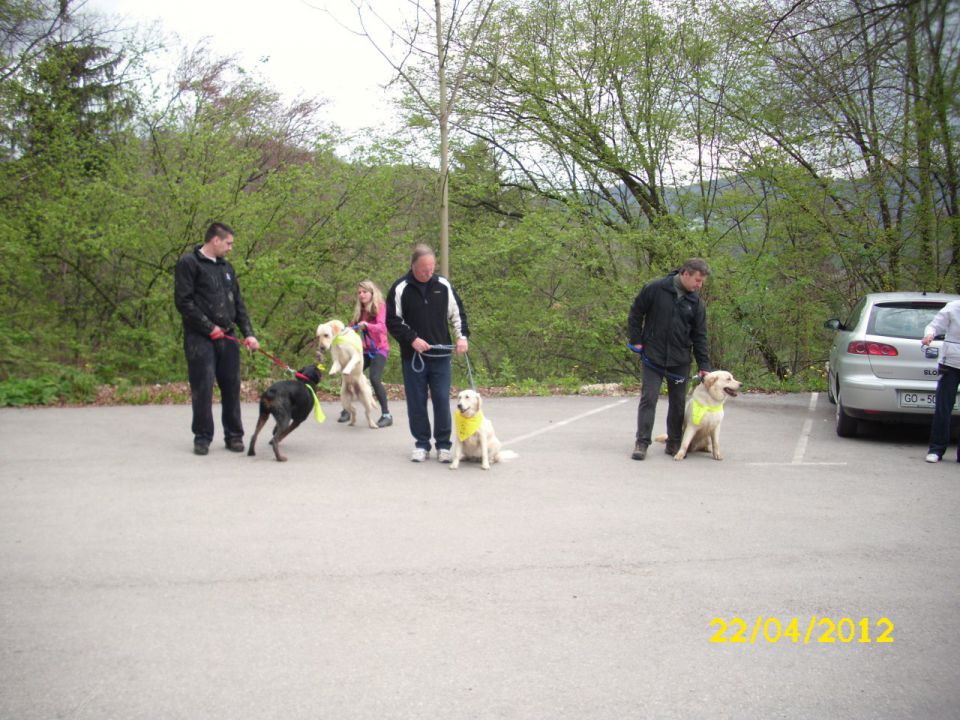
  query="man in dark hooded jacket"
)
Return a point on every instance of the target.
[{"x": 667, "y": 319}]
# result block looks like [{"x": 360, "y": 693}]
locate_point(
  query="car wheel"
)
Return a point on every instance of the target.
[
  {"x": 830, "y": 395},
  {"x": 846, "y": 425}
]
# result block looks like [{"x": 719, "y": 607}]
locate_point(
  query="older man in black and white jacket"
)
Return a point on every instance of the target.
[{"x": 422, "y": 308}]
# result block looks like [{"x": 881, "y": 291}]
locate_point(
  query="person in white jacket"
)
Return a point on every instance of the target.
[{"x": 946, "y": 323}]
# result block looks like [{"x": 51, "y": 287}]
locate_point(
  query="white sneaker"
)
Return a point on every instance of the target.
[
  {"x": 932, "y": 457},
  {"x": 418, "y": 455},
  {"x": 444, "y": 455}
]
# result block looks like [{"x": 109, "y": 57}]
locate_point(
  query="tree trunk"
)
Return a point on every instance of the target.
[{"x": 444, "y": 151}]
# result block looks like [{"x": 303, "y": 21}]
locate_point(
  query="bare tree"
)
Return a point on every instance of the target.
[{"x": 429, "y": 51}]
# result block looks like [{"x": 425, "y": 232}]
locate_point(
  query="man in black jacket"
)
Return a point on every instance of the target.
[
  {"x": 667, "y": 318},
  {"x": 207, "y": 294},
  {"x": 421, "y": 309}
]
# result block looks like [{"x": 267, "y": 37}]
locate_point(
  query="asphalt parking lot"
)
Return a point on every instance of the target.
[{"x": 138, "y": 580}]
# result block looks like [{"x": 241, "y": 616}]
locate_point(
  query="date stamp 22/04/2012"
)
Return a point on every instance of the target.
[{"x": 809, "y": 630}]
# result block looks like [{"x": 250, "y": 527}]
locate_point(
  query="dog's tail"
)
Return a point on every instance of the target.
[
  {"x": 508, "y": 455},
  {"x": 660, "y": 438}
]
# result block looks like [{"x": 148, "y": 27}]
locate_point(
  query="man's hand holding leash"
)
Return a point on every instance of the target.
[{"x": 251, "y": 343}]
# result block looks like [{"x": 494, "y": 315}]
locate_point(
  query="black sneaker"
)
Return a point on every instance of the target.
[
  {"x": 639, "y": 451},
  {"x": 385, "y": 420},
  {"x": 344, "y": 416},
  {"x": 235, "y": 445},
  {"x": 200, "y": 448},
  {"x": 672, "y": 448}
]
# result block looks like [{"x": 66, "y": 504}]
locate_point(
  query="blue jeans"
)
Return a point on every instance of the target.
[
  {"x": 943, "y": 410},
  {"x": 434, "y": 378}
]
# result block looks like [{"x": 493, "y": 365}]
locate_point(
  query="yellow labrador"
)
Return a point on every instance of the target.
[
  {"x": 704, "y": 413},
  {"x": 346, "y": 355},
  {"x": 473, "y": 436}
]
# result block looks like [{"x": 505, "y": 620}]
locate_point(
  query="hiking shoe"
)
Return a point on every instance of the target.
[
  {"x": 386, "y": 420},
  {"x": 418, "y": 455},
  {"x": 235, "y": 445},
  {"x": 932, "y": 458},
  {"x": 639, "y": 451},
  {"x": 672, "y": 448},
  {"x": 200, "y": 448},
  {"x": 344, "y": 416},
  {"x": 444, "y": 455}
]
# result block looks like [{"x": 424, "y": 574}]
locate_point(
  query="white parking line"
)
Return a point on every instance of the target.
[
  {"x": 556, "y": 425},
  {"x": 801, "y": 449}
]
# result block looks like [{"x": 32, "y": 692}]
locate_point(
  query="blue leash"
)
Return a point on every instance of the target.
[
  {"x": 445, "y": 351},
  {"x": 672, "y": 377}
]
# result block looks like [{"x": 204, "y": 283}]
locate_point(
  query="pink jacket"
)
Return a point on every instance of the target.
[{"x": 377, "y": 329}]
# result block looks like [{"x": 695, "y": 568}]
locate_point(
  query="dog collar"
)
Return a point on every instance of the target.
[
  {"x": 351, "y": 339},
  {"x": 466, "y": 426},
  {"x": 699, "y": 409}
]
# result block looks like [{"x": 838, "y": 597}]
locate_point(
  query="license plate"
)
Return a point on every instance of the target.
[{"x": 911, "y": 399}]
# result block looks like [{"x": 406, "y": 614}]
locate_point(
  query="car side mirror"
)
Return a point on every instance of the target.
[{"x": 833, "y": 324}]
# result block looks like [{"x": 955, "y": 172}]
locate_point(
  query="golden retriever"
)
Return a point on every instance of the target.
[
  {"x": 473, "y": 435},
  {"x": 346, "y": 354},
  {"x": 704, "y": 413}
]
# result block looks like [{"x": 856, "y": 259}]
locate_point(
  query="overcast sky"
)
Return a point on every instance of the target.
[{"x": 307, "y": 52}]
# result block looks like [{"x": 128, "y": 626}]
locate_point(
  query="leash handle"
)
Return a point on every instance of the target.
[{"x": 447, "y": 351}]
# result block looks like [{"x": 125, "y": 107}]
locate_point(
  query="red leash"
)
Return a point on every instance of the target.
[{"x": 276, "y": 361}]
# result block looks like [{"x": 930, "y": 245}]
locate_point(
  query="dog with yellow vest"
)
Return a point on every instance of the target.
[
  {"x": 704, "y": 414},
  {"x": 346, "y": 355},
  {"x": 473, "y": 435}
]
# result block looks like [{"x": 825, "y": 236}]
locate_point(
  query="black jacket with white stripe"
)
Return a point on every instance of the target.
[{"x": 426, "y": 310}]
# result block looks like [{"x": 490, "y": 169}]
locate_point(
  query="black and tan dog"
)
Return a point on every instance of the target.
[{"x": 290, "y": 402}]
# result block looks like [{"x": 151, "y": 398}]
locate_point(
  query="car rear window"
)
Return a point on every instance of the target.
[{"x": 902, "y": 319}]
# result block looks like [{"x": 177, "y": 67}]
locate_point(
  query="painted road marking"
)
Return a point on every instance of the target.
[{"x": 562, "y": 423}]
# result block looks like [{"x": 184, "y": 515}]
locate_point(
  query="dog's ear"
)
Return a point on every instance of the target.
[
  {"x": 479, "y": 401},
  {"x": 709, "y": 380},
  {"x": 336, "y": 326}
]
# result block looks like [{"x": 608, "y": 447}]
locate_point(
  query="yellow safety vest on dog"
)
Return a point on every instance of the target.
[
  {"x": 699, "y": 409},
  {"x": 352, "y": 338},
  {"x": 466, "y": 426}
]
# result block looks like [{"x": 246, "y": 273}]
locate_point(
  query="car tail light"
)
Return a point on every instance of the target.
[{"x": 860, "y": 347}]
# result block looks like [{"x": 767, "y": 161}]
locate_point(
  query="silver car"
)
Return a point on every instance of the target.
[{"x": 878, "y": 370}]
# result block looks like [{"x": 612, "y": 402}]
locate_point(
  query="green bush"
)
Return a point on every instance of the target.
[{"x": 69, "y": 386}]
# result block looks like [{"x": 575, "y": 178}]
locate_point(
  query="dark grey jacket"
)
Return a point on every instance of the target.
[
  {"x": 206, "y": 293},
  {"x": 669, "y": 324}
]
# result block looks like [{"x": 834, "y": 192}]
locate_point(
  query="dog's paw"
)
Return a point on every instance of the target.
[
  {"x": 679, "y": 456},
  {"x": 717, "y": 456}
]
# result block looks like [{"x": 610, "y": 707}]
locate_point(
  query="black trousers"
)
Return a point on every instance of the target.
[
  {"x": 376, "y": 365},
  {"x": 943, "y": 410},
  {"x": 209, "y": 360},
  {"x": 676, "y": 402}
]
